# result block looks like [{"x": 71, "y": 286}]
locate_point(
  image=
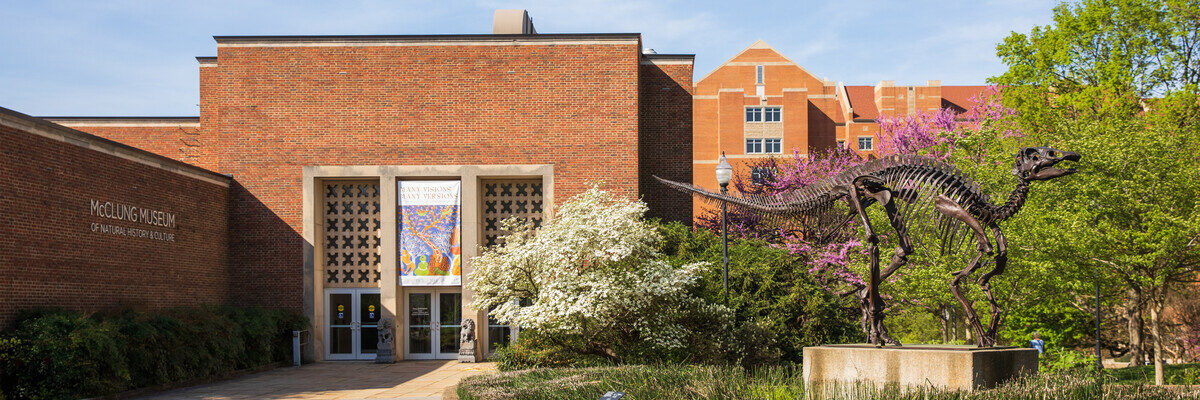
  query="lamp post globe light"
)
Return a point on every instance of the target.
[{"x": 724, "y": 175}]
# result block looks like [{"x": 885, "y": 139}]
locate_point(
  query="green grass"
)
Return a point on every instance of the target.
[
  {"x": 712, "y": 382},
  {"x": 1174, "y": 374}
]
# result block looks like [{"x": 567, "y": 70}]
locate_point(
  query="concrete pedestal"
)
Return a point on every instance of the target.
[{"x": 953, "y": 367}]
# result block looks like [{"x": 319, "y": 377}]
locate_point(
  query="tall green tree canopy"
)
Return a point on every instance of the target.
[{"x": 1116, "y": 81}]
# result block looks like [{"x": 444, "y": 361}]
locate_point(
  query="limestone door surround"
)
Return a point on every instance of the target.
[{"x": 391, "y": 293}]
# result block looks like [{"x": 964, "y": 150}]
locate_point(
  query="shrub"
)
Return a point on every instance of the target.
[
  {"x": 50, "y": 354},
  {"x": 1063, "y": 359},
  {"x": 779, "y": 307},
  {"x": 592, "y": 282}
]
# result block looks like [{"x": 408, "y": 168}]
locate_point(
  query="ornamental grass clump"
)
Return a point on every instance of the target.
[
  {"x": 592, "y": 283},
  {"x": 778, "y": 383}
]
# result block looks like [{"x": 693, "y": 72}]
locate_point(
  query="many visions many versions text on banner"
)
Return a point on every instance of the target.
[{"x": 430, "y": 232}]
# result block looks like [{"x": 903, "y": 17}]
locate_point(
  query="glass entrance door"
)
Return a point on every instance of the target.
[
  {"x": 433, "y": 318},
  {"x": 353, "y": 323}
]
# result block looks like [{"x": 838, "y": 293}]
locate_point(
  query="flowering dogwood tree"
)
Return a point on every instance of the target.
[{"x": 590, "y": 279}]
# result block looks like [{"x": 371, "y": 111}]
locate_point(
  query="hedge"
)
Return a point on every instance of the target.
[{"x": 54, "y": 354}]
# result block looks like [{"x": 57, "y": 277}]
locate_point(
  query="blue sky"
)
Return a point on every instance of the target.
[{"x": 125, "y": 57}]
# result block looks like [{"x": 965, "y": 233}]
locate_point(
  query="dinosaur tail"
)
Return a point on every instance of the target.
[{"x": 751, "y": 204}]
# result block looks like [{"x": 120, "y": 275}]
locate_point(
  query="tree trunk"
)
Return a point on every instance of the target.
[
  {"x": 943, "y": 317},
  {"x": 1137, "y": 327},
  {"x": 1155, "y": 312}
]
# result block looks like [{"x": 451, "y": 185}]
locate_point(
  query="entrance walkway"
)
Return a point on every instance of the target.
[{"x": 408, "y": 380}]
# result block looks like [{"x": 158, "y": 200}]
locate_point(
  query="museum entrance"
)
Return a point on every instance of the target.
[
  {"x": 353, "y": 323},
  {"x": 433, "y": 318}
]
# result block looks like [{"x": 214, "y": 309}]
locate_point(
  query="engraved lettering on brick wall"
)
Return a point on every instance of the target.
[{"x": 135, "y": 214}]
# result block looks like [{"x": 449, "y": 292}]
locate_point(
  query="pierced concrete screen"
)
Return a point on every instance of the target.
[
  {"x": 504, "y": 198},
  {"x": 350, "y": 226}
]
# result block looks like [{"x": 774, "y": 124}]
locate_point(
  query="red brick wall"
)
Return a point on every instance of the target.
[
  {"x": 281, "y": 108},
  {"x": 177, "y": 142},
  {"x": 49, "y": 256},
  {"x": 665, "y": 141}
]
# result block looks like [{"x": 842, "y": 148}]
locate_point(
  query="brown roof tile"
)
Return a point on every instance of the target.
[
  {"x": 862, "y": 100},
  {"x": 959, "y": 97}
]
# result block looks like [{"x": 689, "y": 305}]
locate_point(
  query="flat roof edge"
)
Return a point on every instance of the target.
[
  {"x": 188, "y": 118},
  {"x": 418, "y": 38},
  {"x": 679, "y": 56},
  {"x": 42, "y": 127}
]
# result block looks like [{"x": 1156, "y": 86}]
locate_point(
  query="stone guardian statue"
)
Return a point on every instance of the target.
[{"x": 466, "y": 341}]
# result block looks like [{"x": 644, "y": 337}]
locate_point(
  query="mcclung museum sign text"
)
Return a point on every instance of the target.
[{"x": 131, "y": 213}]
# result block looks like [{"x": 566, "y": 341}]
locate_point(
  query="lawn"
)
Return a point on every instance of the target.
[
  {"x": 710, "y": 382},
  {"x": 1174, "y": 374}
]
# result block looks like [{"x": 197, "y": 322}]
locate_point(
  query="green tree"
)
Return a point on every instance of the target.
[{"x": 1116, "y": 81}]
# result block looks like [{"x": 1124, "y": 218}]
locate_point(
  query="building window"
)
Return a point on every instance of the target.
[
  {"x": 754, "y": 114},
  {"x": 754, "y": 146},
  {"x": 499, "y": 335},
  {"x": 841, "y": 144},
  {"x": 773, "y": 114},
  {"x": 758, "y": 71},
  {"x": 762, "y": 175},
  {"x": 773, "y": 146},
  {"x": 865, "y": 143}
]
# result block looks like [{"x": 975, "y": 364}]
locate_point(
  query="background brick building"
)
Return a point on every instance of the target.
[{"x": 760, "y": 104}]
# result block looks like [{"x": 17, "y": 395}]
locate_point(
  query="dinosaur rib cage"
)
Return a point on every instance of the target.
[{"x": 821, "y": 213}]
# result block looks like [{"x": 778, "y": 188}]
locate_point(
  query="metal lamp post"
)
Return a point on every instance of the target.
[
  {"x": 1099, "y": 358},
  {"x": 724, "y": 175}
]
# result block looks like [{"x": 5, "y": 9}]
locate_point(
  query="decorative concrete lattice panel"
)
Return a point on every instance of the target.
[
  {"x": 350, "y": 232},
  {"x": 504, "y": 198}
]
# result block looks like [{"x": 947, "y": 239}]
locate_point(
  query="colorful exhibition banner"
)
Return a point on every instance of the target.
[{"x": 430, "y": 231}]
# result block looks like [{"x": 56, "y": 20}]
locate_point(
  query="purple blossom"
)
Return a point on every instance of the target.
[{"x": 932, "y": 134}]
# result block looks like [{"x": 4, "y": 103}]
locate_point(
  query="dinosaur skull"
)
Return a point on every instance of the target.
[{"x": 1037, "y": 163}]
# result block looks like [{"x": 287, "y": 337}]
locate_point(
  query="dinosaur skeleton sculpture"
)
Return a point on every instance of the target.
[{"x": 940, "y": 197}]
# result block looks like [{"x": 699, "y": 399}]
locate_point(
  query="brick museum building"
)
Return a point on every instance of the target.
[
  {"x": 350, "y": 178},
  {"x": 353, "y": 178}
]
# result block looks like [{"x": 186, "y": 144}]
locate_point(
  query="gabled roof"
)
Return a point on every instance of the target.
[{"x": 757, "y": 45}]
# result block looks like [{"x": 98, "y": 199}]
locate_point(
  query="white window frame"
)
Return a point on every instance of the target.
[
  {"x": 756, "y": 111},
  {"x": 870, "y": 142},
  {"x": 758, "y": 172},
  {"x": 778, "y": 111},
  {"x": 758, "y": 74},
  {"x": 756, "y": 149},
  {"x": 767, "y": 145}
]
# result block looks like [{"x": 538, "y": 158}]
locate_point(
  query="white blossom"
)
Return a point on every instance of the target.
[{"x": 593, "y": 264}]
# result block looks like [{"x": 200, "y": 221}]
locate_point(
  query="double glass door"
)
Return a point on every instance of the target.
[
  {"x": 433, "y": 323},
  {"x": 353, "y": 323}
]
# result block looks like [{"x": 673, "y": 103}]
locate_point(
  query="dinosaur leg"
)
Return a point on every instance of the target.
[
  {"x": 869, "y": 299},
  {"x": 900, "y": 256},
  {"x": 875, "y": 189},
  {"x": 1001, "y": 259},
  {"x": 952, "y": 209}
]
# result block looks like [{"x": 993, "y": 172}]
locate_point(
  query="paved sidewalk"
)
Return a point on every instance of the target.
[{"x": 407, "y": 380}]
